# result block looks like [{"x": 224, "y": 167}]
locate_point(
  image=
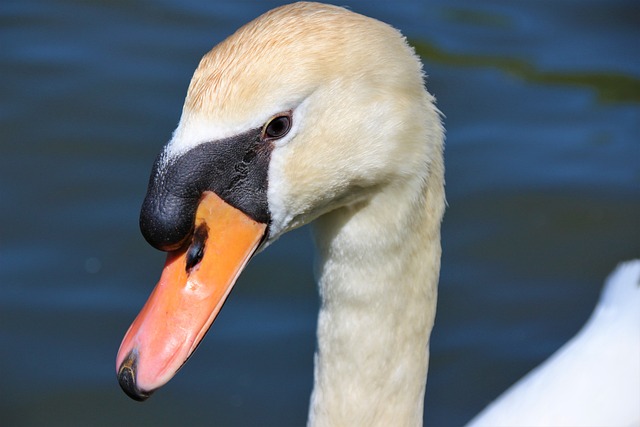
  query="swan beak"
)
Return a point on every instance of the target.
[{"x": 195, "y": 282}]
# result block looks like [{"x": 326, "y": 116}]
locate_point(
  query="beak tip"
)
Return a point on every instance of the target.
[{"x": 127, "y": 379}]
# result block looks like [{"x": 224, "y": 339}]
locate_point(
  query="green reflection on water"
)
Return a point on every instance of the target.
[
  {"x": 609, "y": 86},
  {"x": 477, "y": 18}
]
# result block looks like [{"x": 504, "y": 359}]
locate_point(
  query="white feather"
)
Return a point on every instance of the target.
[{"x": 594, "y": 379}]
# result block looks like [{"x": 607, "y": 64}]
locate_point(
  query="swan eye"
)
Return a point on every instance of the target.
[{"x": 278, "y": 127}]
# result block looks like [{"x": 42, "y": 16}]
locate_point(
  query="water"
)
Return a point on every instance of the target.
[{"x": 542, "y": 106}]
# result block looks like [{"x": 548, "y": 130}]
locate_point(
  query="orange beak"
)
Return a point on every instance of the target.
[{"x": 195, "y": 282}]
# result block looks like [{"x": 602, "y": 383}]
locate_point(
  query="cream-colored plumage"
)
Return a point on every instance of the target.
[
  {"x": 364, "y": 158},
  {"x": 364, "y": 155}
]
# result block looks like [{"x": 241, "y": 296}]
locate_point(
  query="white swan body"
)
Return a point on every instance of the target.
[
  {"x": 594, "y": 379},
  {"x": 310, "y": 112}
]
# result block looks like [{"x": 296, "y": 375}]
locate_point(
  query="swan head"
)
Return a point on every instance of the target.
[{"x": 306, "y": 109}]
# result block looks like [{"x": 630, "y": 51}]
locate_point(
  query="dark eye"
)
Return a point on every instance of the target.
[{"x": 278, "y": 127}]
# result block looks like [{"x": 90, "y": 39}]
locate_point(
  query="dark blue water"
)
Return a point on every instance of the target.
[{"x": 542, "y": 105}]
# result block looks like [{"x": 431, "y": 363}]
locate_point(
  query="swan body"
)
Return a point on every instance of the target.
[
  {"x": 594, "y": 379},
  {"x": 310, "y": 112}
]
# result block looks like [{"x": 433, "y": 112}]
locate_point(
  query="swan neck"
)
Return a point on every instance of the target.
[{"x": 379, "y": 267}]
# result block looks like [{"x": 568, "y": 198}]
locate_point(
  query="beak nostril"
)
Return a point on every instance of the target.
[{"x": 197, "y": 248}]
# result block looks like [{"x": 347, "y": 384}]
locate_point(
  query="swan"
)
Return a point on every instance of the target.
[
  {"x": 308, "y": 113},
  {"x": 593, "y": 379}
]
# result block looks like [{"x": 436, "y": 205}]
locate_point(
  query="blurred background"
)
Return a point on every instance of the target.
[{"x": 542, "y": 106}]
